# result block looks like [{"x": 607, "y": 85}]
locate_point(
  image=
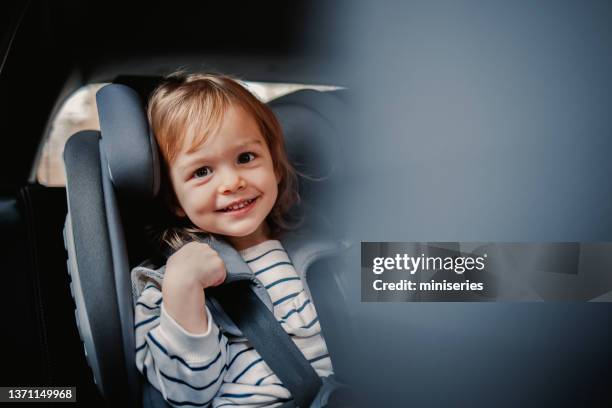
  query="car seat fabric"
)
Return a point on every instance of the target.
[
  {"x": 101, "y": 312},
  {"x": 111, "y": 173},
  {"x": 130, "y": 150}
]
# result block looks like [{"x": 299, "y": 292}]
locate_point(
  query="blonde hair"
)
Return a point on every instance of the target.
[{"x": 191, "y": 107}]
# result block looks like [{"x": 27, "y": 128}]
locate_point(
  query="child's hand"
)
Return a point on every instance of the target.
[
  {"x": 190, "y": 269},
  {"x": 196, "y": 263}
]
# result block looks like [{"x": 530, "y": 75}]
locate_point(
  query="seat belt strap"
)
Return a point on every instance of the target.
[{"x": 265, "y": 333}]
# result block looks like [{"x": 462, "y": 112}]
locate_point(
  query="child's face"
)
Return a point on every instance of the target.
[{"x": 228, "y": 185}]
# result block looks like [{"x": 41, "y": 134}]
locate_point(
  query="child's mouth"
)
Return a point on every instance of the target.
[{"x": 241, "y": 207}]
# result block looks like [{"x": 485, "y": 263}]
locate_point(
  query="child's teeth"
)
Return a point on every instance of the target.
[{"x": 239, "y": 206}]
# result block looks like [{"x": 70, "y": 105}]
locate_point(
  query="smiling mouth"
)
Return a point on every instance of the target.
[{"x": 240, "y": 206}]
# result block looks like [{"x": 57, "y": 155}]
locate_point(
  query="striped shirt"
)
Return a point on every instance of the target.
[{"x": 217, "y": 369}]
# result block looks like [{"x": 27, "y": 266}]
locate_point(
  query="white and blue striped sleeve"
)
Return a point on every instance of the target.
[{"x": 187, "y": 368}]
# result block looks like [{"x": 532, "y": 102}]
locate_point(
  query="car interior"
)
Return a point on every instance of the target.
[
  {"x": 475, "y": 122},
  {"x": 76, "y": 328}
]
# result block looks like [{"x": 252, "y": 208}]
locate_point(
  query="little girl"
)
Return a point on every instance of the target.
[{"x": 226, "y": 176}]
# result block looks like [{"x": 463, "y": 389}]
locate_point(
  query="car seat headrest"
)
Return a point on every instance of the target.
[
  {"x": 306, "y": 117},
  {"x": 127, "y": 143},
  {"x": 309, "y": 131}
]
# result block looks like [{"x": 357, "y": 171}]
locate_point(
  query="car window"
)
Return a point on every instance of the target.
[{"x": 79, "y": 112}]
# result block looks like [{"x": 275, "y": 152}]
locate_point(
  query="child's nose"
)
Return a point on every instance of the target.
[{"x": 231, "y": 182}]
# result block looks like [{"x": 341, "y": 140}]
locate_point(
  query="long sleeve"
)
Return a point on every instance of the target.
[{"x": 188, "y": 369}]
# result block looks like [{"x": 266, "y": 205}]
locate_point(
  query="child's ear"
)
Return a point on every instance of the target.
[
  {"x": 178, "y": 211},
  {"x": 175, "y": 207},
  {"x": 278, "y": 177}
]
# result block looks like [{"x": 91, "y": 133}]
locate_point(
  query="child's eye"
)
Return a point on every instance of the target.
[
  {"x": 202, "y": 172},
  {"x": 246, "y": 157}
]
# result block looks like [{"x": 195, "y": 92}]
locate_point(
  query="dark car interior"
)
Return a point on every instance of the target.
[{"x": 50, "y": 50}]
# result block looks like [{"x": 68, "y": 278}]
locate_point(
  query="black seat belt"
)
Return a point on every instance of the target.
[{"x": 265, "y": 333}]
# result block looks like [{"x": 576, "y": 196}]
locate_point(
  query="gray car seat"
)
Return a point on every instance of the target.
[{"x": 112, "y": 181}]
